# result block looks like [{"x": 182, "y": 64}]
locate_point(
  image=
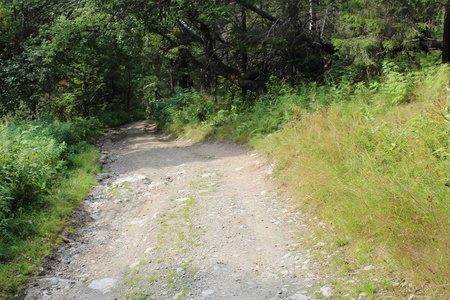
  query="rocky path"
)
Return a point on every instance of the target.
[{"x": 176, "y": 220}]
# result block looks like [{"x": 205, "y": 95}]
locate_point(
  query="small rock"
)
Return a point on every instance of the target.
[
  {"x": 102, "y": 176},
  {"x": 362, "y": 295},
  {"x": 148, "y": 250},
  {"x": 297, "y": 297},
  {"x": 104, "y": 285},
  {"x": 132, "y": 178},
  {"x": 369, "y": 267},
  {"x": 54, "y": 282},
  {"x": 270, "y": 169},
  {"x": 208, "y": 175},
  {"x": 326, "y": 291},
  {"x": 207, "y": 292},
  {"x": 95, "y": 217},
  {"x": 182, "y": 199}
]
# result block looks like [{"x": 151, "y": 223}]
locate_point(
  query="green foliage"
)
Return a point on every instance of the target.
[
  {"x": 32, "y": 233},
  {"x": 88, "y": 68},
  {"x": 31, "y": 161},
  {"x": 46, "y": 168},
  {"x": 262, "y": 119},
  {"x": 368, "y": 31},
  {"x": 397, "y": 87},
  {"x": 68, "y": 60},
  {"x": 116, "y": 118},
  {"x": 186, "y": 106},
  {"x": 35, "y": 155}
]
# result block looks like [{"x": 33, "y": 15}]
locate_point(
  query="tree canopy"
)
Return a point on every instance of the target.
[{"x": 75, "y": 57}]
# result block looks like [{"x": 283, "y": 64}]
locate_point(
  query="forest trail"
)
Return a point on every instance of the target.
[{"x": 175, "y": 220}]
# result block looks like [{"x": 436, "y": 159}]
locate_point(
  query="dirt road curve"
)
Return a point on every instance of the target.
[{"x": 176, "y": 220}]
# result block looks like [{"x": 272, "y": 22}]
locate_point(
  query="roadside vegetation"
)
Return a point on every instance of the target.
[{"x": 47, "y": 167}]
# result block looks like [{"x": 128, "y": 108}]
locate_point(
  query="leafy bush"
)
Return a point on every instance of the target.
[
  {"x": 184, "y": 107},
  {"x": 72, "y": 131},
  {"x": 46, "y": 168},
  {"x": 29, "y": 162},
  {"x": 33, "y": 158}
]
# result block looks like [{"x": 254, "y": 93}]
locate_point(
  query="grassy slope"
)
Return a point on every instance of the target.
[{"x": 375, "y": 180}]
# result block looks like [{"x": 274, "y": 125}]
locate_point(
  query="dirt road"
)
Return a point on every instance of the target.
[{"x": 176, "y": 220}]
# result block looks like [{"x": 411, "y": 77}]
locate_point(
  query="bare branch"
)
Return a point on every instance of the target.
[{"x": 260, "y": 12}]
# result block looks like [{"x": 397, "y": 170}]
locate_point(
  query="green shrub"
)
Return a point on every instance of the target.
[
  {"x": 28, "y": 164},
  {"x": 46, "y": 168},
  {"x": 185, "y": 107},
  {"x": 34, "y": 156},
  {"x": 119, "y": 117}
]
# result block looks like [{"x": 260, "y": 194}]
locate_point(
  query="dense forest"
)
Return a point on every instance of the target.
[
  {"x": 360, "y": 85},
  {"x": 76, "y": 58}
]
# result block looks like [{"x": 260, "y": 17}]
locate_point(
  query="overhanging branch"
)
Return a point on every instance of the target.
[{"x": 259, "y": 11}]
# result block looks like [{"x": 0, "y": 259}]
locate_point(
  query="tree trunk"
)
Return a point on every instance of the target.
[
  {"x": 312, "y": 15},
  {"x": 243, "y": 52},
  {"x": 446, "y": 36}
]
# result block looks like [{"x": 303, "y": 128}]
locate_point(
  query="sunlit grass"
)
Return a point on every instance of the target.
[{"x": 377, "y": 180}]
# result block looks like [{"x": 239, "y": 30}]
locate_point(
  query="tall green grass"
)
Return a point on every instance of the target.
[
  {"x": 381, "y": 179},
  {"x": 372, "y": 158}
]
